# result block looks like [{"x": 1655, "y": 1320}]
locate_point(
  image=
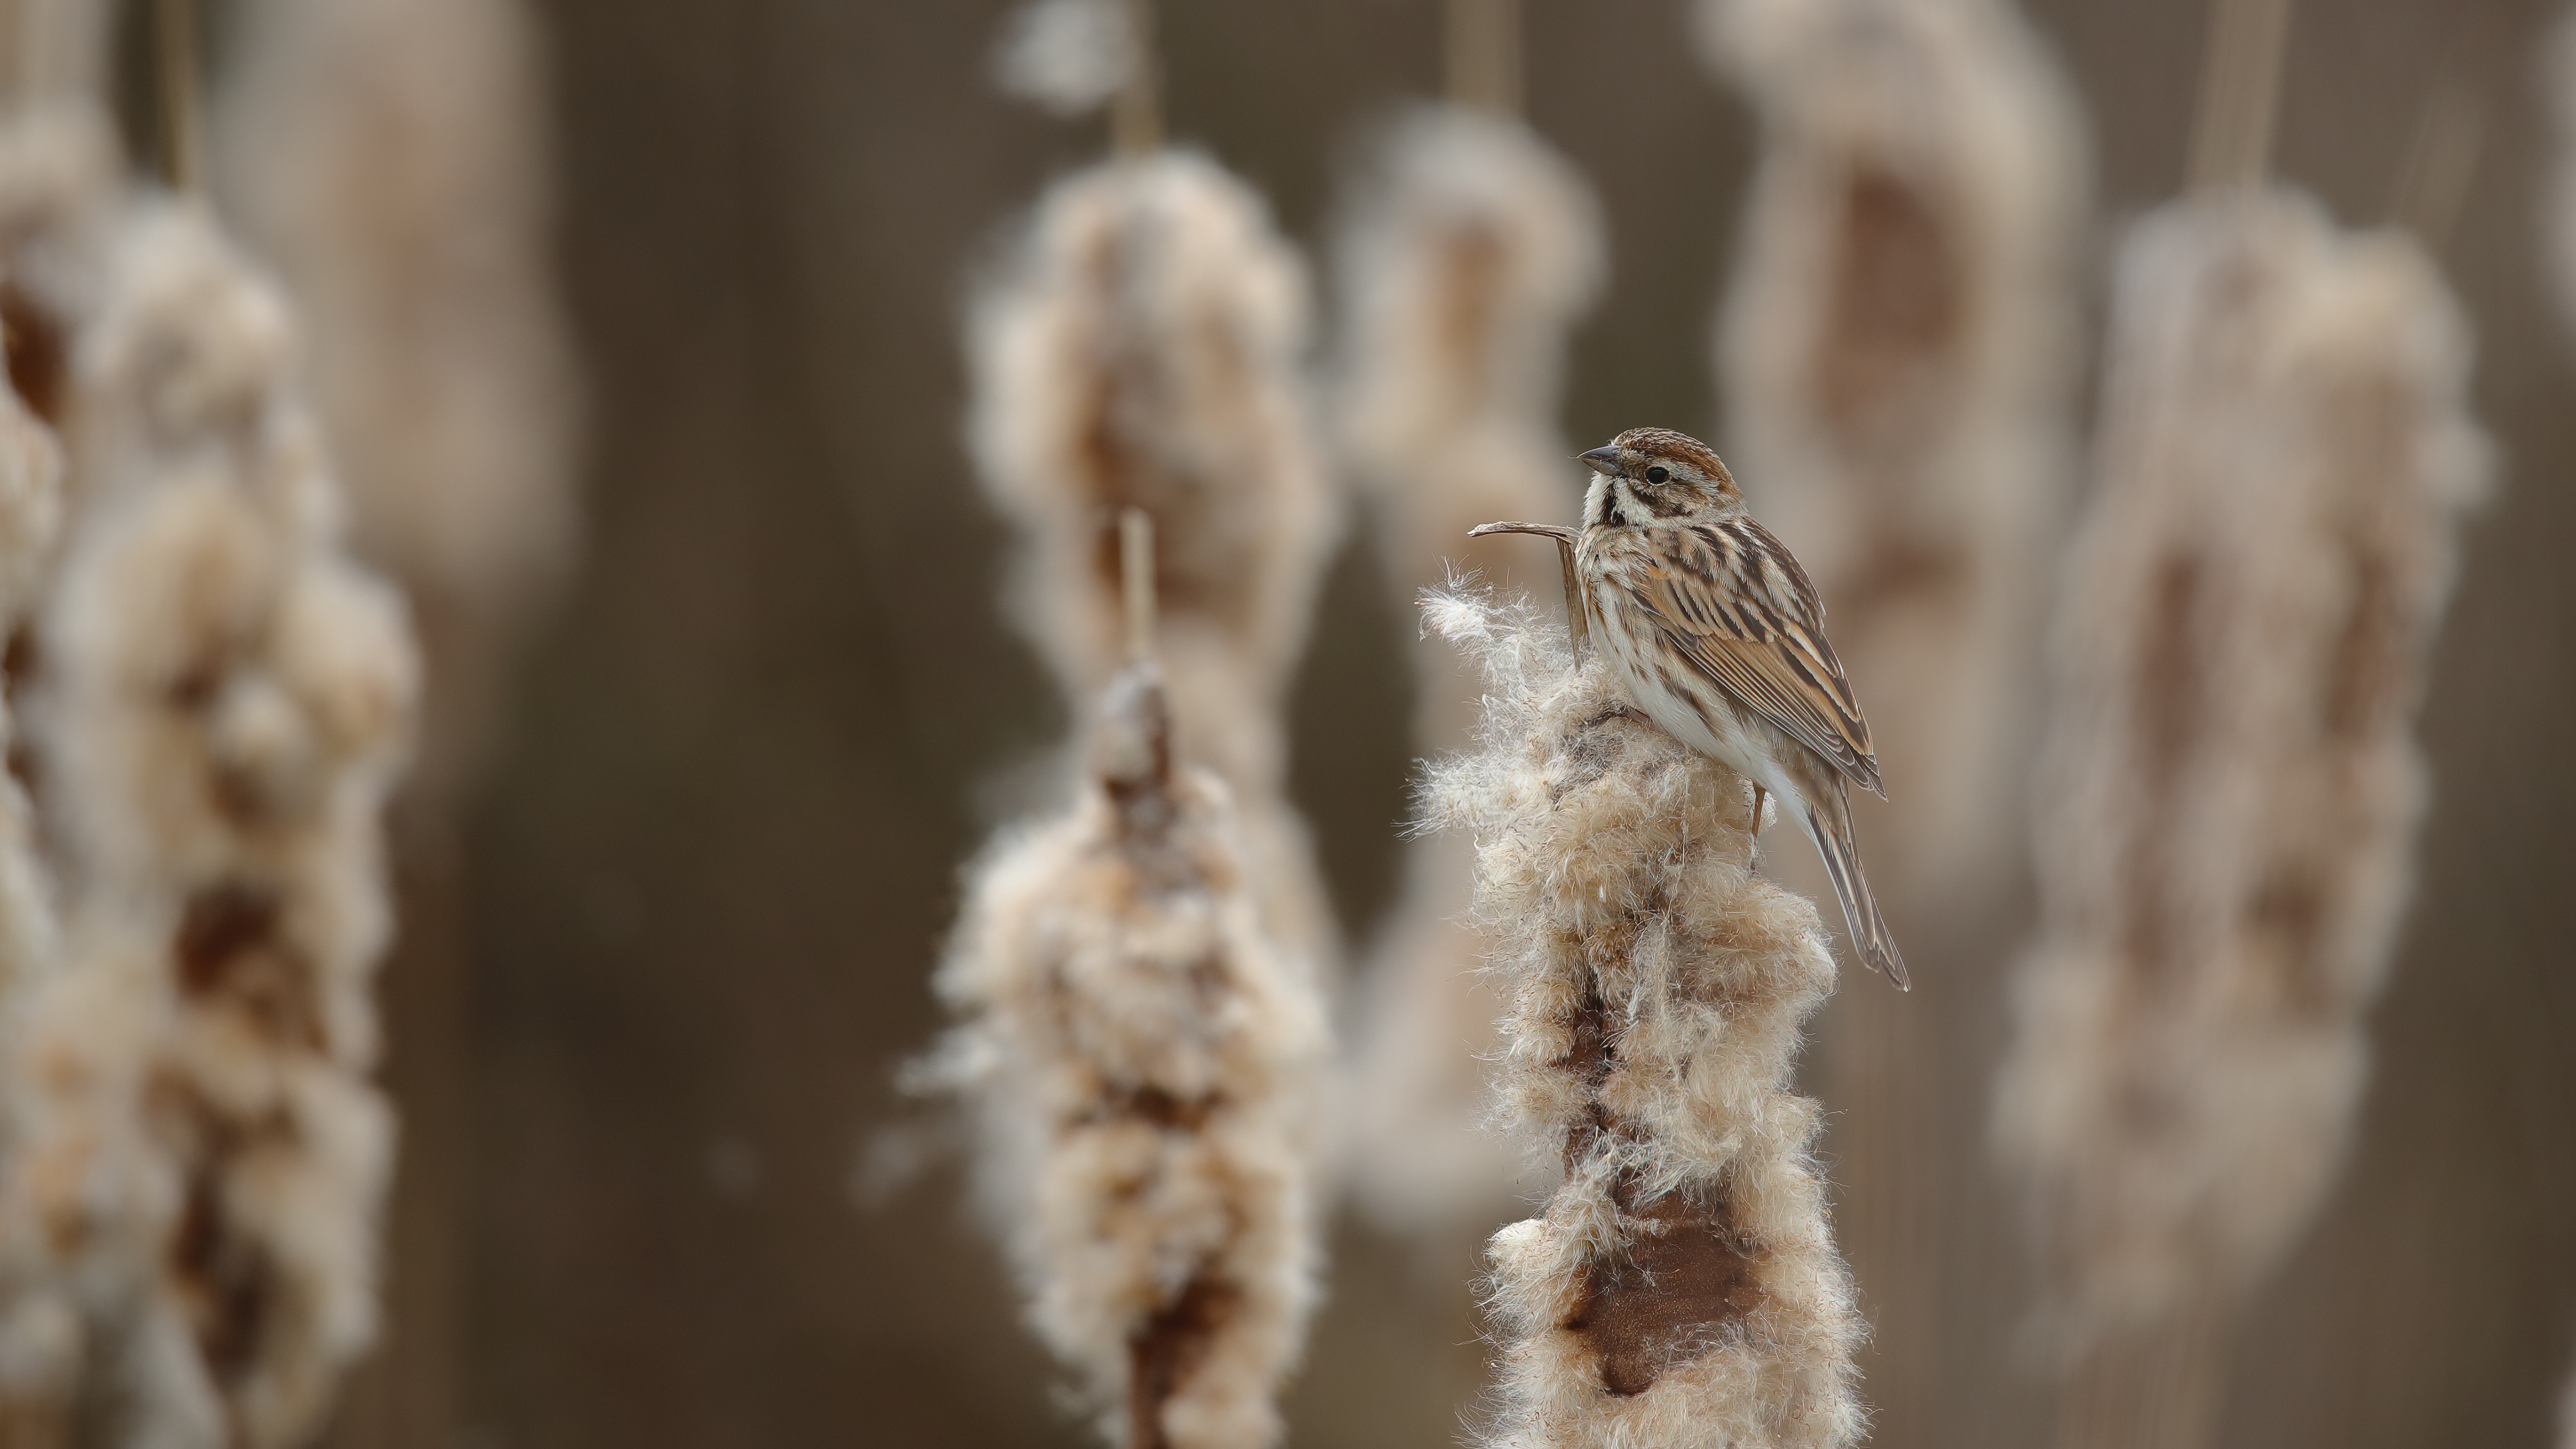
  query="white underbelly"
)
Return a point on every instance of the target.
[{"x": 1719, "y": 731}]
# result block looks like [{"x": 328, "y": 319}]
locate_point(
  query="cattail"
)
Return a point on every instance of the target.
[
  {"x": 1896, "y": 355},
  {"x": 1144, "y": 1066},
  {"x": 2226, "y": 841},
  {"x": 221, "y": 707},
  {"x": 439, "y": 364},
  {"x": 1468, "y": 252},
  {"x": 1681, "y": 1287},
  {"x": 1140, "y": 348}
]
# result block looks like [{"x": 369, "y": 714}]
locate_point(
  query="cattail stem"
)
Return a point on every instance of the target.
[
  {"x": 2240, "y": 92},
  {"x": 1136, "y": 113},
  {"x": 176, "y": 57},
  {"x": 1136, "y": 580},
  {"x": 1482, "y": 55}
]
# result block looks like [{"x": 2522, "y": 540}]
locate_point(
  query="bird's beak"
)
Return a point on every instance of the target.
[{"x": 1603, "y": 460}]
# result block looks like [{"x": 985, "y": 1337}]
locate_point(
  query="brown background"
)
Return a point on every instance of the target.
[{"x": 680, "y": 942}]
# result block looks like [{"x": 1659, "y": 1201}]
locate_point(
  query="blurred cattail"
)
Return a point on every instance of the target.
[
  {"x": 436, "y": 346},
  {"x": 1682, "y": 1286},
  {"x": 1467, "y": 254},
  {"x": 221, "y": 703},
  {"x": 2226, "y": 839},
  {"x": 1144, "y": 1065},
  {"x": 1140, "y": 347},
  {"x": 1897, "y": 356}
]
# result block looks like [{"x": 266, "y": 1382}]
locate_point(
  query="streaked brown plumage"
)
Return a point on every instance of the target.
[{"x": 1719, "y": 638}]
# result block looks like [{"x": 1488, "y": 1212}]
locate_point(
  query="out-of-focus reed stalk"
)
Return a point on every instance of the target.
[
  {"x": 2559, "y": 218},
  {"x": 1144, "y": 1066},
  {"x": 1140, "y": 347},
  {"x": 2232, "y": 789},
  {"x": 1896, "y": 352},
  {"x": 1681, "y": 1287},
  {"x": 438, "y": 359},
  {"x": 1466, "y": 253},
  {"x": 217, "y": 702}
]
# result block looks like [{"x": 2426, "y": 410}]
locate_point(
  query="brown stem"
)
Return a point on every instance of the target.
[
  {"x": 2240, "y": 92},
  {"x": 1136, "y": 116},
  {"x": 1136, "y": 580},
  {"x": 1483, "y": 54},
  {"x": 1578, "y": 621}
]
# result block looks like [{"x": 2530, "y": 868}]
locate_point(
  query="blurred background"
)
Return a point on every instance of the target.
[{"x": 658, "y": 976}]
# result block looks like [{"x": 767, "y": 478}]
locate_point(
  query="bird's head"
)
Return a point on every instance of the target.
[{"x": 1646, "y": 474}]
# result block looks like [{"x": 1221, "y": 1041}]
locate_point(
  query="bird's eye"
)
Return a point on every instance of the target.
[{"x": 1659, "y": 474}]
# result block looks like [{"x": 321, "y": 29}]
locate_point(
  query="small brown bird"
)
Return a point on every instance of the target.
[{"x": 1719, "y": 638}]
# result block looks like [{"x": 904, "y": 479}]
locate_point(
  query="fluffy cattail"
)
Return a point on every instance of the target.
[
  {"x": 222, "y": 702},
  {"x": 2226, "y": 840},
  {"x": 438, "y": 359},
  {"x": 1468, "y": 253},
  {"x": 1896, "y": 351},
  {"x": 1140, "y": 348},
  {"x": 1144, "y": 1065},
  {"x": 1681, "y": 1288}
]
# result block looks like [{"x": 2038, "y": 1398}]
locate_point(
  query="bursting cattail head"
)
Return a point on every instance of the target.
[
  {"x": 223, "y": 706},
  {"x": 1468, "y": 252},
  {"x": 2226, "y": 845},
  {"x": 1143, "y": 1067},
  {"x": 1682, "y": 1285},
  {"x": 1141, "y": 348}
]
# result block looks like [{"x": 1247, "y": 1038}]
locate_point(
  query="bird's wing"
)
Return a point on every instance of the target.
[{"x": 1731, "y": 600}]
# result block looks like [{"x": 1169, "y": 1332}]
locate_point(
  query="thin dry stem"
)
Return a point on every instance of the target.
[{"x": 2240, "y": 93}]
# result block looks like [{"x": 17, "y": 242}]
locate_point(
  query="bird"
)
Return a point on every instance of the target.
[{"x": 1717, "y": 636}]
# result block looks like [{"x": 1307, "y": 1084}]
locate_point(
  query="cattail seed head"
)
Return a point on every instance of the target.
[
  {"x": 1681, "y": 1287},
  {"x": 1143, "y": 1066},
  {"x": 1140, "y": 348},
  {"x": 2226, "y": 841}
]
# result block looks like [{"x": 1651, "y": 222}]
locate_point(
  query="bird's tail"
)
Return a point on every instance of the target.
[{"x": 1829, "y": 825}]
